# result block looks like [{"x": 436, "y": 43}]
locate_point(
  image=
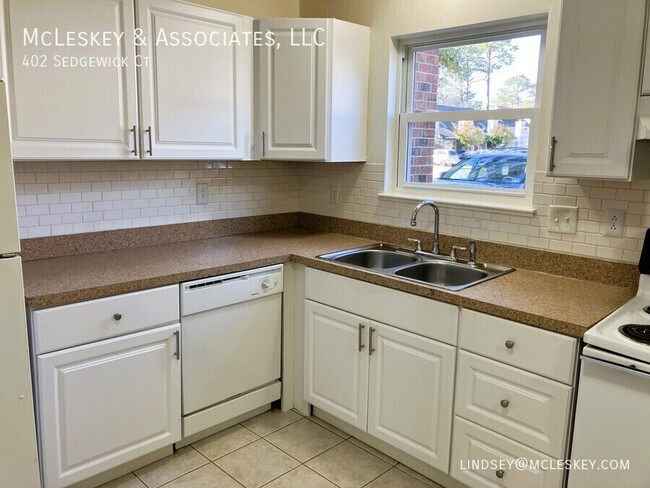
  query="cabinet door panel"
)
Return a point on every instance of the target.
[
  {"x": 411, "y": 394},
  {"x": 71, "y": 112},
  {"x": 196, "y": 97},
  {"x": 336, "y": 372},
  {"x": 106, "y": 403},
  {"x": 597, "y": 87},
  {"x": 293, "y": 90}
]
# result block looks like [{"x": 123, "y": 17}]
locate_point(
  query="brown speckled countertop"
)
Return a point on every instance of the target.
[{"x": 565, "y": 305}]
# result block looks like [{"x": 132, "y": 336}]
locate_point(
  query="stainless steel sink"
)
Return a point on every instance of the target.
[
  {"x": 377, "y": 258},
  {"x": 431, "y": 269}
]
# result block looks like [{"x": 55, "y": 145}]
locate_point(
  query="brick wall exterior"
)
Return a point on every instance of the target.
[{"x": 425, "y": 98}]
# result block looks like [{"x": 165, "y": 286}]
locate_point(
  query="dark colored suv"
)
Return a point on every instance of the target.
[{"x": 496, "y": 169}]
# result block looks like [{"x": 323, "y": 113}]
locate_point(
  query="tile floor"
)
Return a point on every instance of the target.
[{"x": 276, "y": 450}]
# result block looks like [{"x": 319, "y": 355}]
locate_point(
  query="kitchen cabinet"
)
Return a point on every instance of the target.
[
  {"x": 597, "y": 90},
  {"x": 194, "y": 101},
  {"x": 312, "y": 90},
  {"x": 513, "y": 398},
  {"x": 383, "y": 379},
  {"x": 109, "y": 401}
]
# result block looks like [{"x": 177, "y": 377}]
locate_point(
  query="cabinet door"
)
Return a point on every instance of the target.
[
  {"x": 196, "y": 96},
  {"x": 597, "y": 88},
  {"x": 71, "y": 112},
  {"x": 106, "y": 403},
  {"x": 292, "y": 90},
  {"x": 336, "y": 362},
  {"x": 411, "y": 393}
]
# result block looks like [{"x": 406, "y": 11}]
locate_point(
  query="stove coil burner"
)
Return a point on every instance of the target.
[
  {"x": 636, "y": 332},
  {"x": 646, "y": 309}
]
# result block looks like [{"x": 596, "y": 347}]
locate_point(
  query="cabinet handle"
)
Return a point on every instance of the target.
[
  {"x": 510, "y": 344},
  {"x": 504, "y": 403},
  {"x": 263, "y": 143},
  {"x": 117, "y": 317},
  {"x": 361, "y": 327},
  {"x": 135, "y": 141},
  {"x": 178, "y": 345},
  {"x": 370, "y": 348},
  {"x": 150, "y": 151},
  {"x": 500, "y": 473},
  {"x": 551, "y": 163}
]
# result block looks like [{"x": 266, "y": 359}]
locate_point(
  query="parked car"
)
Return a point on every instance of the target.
[
  {"x": 497, "y": 169},
  {"x": 445, "y": 157}
]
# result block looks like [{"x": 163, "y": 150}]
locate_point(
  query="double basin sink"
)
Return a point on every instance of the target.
[{"x": 431, "y": 269}]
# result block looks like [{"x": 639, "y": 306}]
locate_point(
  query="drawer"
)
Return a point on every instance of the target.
[
  {"x": 522, "y": 406},
  {"x": 536, "y": 350},
  {"x": 482, "y": 459},
  {"x": 423, "y": 316},
  {"x": 80, "y": 323}
]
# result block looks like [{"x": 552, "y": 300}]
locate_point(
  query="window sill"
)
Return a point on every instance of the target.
[{"x": 506, "y": 209}]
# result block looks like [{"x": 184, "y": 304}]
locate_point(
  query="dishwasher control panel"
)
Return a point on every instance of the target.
[{"x": 220, "y": 291}]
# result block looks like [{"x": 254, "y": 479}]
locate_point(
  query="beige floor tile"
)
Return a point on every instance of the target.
[
  {"x": 301, "y": 477},
  {"x": 183, "y": 461},
  {"x": 348, "y": 466},
  {"x": 329, "y": 427},
  {"x": 208, "y": 476},
  {"x": 224, "y": 442},
  {"x": 126, "y": 481},
  {"x": 396, "y": 478},
  {"x": 256, "y": 464},
  {"x": 304, "y": 439},
  {"x": 271, "y": 421},
  {"x": 372, "y": 450},
  {"x": 417, "y": 475}
]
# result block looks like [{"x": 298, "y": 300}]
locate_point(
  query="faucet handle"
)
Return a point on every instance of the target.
[
  {"x": 418, "y": 244},
  {"x": 452, "y": 254}
]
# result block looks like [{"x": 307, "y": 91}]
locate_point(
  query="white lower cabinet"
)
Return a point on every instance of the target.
[
  {"x": 509, "y": 403},
  {"x": 393, "y": 384},
  {"x": 104, "y": 403}
]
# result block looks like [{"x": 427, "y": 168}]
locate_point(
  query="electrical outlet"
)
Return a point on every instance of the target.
[
  {"x": 334, "y": 194},
  {"x": 563, "y": 219},
  {"x": 614, "y": 222},
  {"x": 202, "y": 195}
]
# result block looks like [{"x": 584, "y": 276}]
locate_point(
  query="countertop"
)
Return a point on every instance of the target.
[{"x": 564, "y": 305}]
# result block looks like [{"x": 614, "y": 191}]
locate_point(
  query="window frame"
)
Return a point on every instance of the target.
[{"x": 492, "y": 198}]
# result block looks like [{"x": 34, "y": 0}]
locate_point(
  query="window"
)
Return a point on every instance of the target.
[{"x": 469, "y": 115}]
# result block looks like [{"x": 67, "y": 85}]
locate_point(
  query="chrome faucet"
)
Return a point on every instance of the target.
[{"x": 436, "y": 223}]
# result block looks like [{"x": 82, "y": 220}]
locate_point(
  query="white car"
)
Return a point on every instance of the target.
[{"x": 445, "y": 157}]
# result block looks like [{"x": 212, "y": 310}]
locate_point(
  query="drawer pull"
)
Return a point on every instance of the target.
[
  {"x": 510, "y": 344},
  {"x": 500, "y": 473},
  {"x": 361, "y": 345},
  {"x": 505, "y": 403},
  {"x": 117, "y": 317}
]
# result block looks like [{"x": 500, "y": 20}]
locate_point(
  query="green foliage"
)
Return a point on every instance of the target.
[
  {"x": 499, "y": 137},
  {"x": 517, "y": 92},
  {"x": 469, "y": 135}
]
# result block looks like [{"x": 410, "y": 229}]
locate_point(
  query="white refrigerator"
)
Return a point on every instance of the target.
[{"x": 18, "y": 453}]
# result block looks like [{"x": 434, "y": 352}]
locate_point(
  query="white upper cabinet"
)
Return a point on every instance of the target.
[
  {"x": 196, "y": 99},
  {"x": 597, "y": 89},
  {"x": 312, "y": 91},
  {"x": 70, "y": 112}
]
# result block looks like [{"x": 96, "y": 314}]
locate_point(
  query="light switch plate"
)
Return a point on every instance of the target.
[{"x": 563, "y": 219}]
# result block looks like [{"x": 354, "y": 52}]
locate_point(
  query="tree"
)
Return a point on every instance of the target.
[
  {"x": 458, "y": 93},
  {"x": 499, "y": 137},
  {"x": 516, "y": 92},
  {"x": 469, "y": 135},
  {"x": 464, "y": 62}
]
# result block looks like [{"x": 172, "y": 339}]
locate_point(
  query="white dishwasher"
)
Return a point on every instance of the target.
[{"x": 231, "y": 346}]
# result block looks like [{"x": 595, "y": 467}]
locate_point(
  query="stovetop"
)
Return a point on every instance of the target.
[{"x": 626, "y": 331}]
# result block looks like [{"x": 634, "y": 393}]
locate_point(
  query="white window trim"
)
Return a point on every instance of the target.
[{"x": 499, "y": 201}]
